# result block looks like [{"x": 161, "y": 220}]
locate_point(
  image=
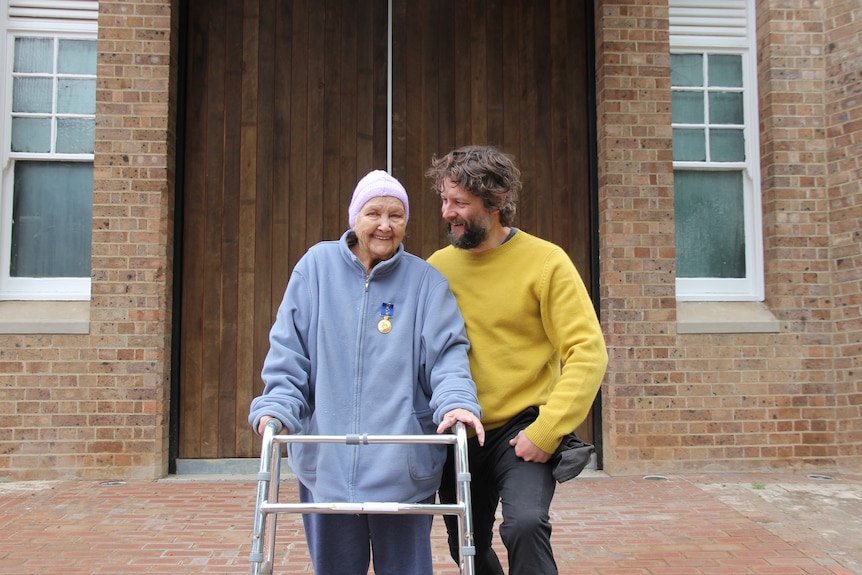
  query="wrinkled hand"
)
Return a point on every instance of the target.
[
  {"x": 466, "y": 417},
  {"x": 261, "y": 427},
  {"x": 527, "y": 450}
]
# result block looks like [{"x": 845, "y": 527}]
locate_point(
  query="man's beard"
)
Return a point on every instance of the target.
[{"x": 472, "y": 237}]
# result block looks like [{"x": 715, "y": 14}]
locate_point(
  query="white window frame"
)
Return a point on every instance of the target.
[
  {"x": 700, "y": 27},
  {"x": 66, "y": 19}
]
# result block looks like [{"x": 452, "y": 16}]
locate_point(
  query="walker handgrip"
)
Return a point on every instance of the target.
[
  {"x": 459, "y": 427},
  {"x": 275, "y": 424}
]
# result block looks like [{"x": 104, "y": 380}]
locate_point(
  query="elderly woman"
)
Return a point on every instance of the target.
[{"x": 368, "y": 339}]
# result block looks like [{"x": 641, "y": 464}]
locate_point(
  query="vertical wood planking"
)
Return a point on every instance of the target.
[
  {"x": 498, "y": 72},
  {"x": 278, "y": 149},
  {"x": 212, "y": 233},
  {"x": 299, "y": 129},
  {"x": 339, "y": 114},
  {"x": 579, "y": 145},
  {"x": 447, "y": 129},
  {"x": 403, "y": 25},
  {"x": 316, "y": 55},
  {"x": 543, "y": 191},
  {"x": 245, "y": 378},
  {"x": 478, "y": 59},
  {"x": 286, "y": 110},
  {"x": 560, "y": 175},
  {"x": 380, "y": 105},
  {"x": 220, "y": 424},
  {"x": 510, "y": 73},
  {"x": 494, "y": 84},
  {"x": 425, "y": 230},
  {"x": 412, "y": 73},
  {"x": 511, "y": 70},
  {"x": 356, "y": 97},
  {"x": 191, "y": 348},
  {"x": 525, "y": 153}
]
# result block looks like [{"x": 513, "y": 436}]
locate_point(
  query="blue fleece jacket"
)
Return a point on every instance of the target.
[{"x": 330, "y": 371}]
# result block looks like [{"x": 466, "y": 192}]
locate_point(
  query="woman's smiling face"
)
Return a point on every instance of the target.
[{"x": 380, "y": 227}]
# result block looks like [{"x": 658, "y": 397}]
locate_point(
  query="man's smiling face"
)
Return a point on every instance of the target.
[{"x": 467, "y": 218}]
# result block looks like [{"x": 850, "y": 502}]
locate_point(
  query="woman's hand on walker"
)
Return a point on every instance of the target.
[
  {"x": 465, "y": 417},
  {"x": 261, "y": 427}
]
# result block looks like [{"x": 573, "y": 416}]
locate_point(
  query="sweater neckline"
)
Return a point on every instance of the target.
[{"x": 514, "y": 235}]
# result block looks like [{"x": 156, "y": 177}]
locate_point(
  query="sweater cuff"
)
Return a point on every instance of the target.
[{"x": 543, "y": 436}]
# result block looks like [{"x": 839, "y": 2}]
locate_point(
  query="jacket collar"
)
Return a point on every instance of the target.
[{"x": 383, "y": 268}]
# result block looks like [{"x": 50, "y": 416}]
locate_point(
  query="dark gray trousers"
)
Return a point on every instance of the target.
[{"x": 525, "y": 490}]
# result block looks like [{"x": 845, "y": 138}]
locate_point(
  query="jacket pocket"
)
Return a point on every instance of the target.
[
  {"x": 302, "y": 457},
  {"x": 426, "y": 460}
]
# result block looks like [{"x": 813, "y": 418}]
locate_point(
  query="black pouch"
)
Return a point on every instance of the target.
[{"x": 571, "y": 457}]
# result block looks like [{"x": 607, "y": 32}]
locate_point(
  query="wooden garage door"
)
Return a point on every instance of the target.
[{"x": 287, "y": 105}]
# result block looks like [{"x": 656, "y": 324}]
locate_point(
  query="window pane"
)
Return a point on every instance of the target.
[
  {"x": 687, "y": 107},
  {"x": 689, "y": 145},
  {"x": 34, "y": 55},
  {"x": 76, "y": 135},
  {"x": 76, "y": 96},
  {"x": 727, "y": 145},
  {"x": 52, "y": 219},
  {"x": 686, "y": 70},
  {"x": 726, "y": 108},
  {"x": 77, "y": 57},
  {"x": 725, "y": 71},
  {"x": 32, "y": 95},
  {"x": 31, "y": 135},
  {"x": 710, "y": 237}
]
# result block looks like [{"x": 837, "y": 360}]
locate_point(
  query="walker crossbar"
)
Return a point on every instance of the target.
[
  {"x": 268, "y": 507},
  {"x": 367, "y": 507}
]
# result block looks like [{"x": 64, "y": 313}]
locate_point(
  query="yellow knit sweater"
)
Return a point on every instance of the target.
[{"x": 527, "y": 311}]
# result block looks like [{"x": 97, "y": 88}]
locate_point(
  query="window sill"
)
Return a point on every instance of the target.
[
  {"x": 725, "y": 317},
  {"x": 44, "y": 317}
]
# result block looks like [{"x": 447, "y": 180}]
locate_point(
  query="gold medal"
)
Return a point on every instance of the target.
[{"x": 384, "y": 325}]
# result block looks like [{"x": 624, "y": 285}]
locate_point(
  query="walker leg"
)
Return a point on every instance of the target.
[
  {"x": 465, "y": 523},
  {"x": 264, "y": 477},
  {"x": 271, "y": 518}
]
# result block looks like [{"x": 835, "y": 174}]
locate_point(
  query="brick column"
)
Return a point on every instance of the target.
[
  {"x": 636, "y": 230},
  {"x": 132, "y": 239},
  {"x": 843, "y": 113}
]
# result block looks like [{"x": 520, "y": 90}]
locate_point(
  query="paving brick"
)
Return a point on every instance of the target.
[{"x": 685, "y": 525}]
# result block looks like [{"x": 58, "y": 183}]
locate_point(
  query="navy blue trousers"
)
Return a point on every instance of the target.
[
  {"x": 525, "y": 490},
  {"x": 344, "y": 544}
]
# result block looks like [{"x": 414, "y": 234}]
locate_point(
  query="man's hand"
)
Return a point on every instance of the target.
[
  {"x": 527, "y": 450},
  {"x": 466, "y": 417}
]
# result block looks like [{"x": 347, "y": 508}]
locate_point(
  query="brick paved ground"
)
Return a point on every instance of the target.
[{"x": 684, "y": 525}]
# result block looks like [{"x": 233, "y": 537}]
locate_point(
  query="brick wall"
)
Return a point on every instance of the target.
[
  {"x": 791, "y": 78},
  {"x": 636, "y": 231},
  {"x": 95, "y": 406},
  {"x": 789, "y": 400},
  {"x": 133, "y": 228},
  {"x": 843, "y": 120}
]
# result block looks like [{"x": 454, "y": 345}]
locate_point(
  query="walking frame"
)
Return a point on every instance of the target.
[{"x": 268, "y": 506}]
